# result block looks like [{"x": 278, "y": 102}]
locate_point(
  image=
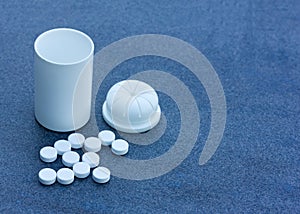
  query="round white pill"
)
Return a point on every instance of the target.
[
  {"x": 65, "y": 176},
  {"x": 92, "y": 144},
  {"x": 119, "y": 147},
  {"x": 47, "y": 176},
  {"x": 48, "y": 154},
  {"x": 62, "y": 146},
  {"x": 106, "y": 137},
  {"x": 76, "y": 140},
  {"x": 81, "y": 169},
  {"x": 91, "y": 158},
  {"x": 70, "y": 158},
  {"x": 101, "y": 175}
]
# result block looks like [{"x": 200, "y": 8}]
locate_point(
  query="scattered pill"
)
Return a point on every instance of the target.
[
  {"x": 47, "y": 176},
  {"x": 76, "y": 140},
  {"x": 92, "y": 144},
  {"x": 81, "y": 169},
  {"x": 106, "y": 137},
  {"x": 70, "y": 158},
  {"x": 91, "y": 158},
  {"x": 62, "y": 146},
  {"x": 48, "y": 154},
  {"x": 101, "y": 175},
  {"x": 65, "y": 176},
  {"x": 119, "y": 147}
]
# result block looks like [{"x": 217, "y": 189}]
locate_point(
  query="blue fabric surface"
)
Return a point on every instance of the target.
[{"x": 253, "y": 46}]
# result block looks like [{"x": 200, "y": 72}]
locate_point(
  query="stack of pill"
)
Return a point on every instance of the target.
[{"x": 71, "y": 159}]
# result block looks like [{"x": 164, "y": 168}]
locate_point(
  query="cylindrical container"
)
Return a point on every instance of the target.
[{"x": 63, "y": 68}]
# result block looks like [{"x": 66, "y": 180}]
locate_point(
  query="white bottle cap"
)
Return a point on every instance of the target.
[{"x": 131, "y": 106}]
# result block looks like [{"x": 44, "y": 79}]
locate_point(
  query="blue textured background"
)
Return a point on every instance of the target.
[{"x": 254, "y": 47}]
